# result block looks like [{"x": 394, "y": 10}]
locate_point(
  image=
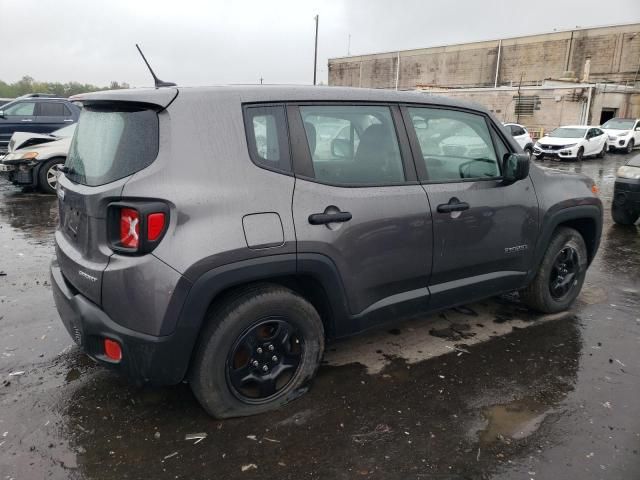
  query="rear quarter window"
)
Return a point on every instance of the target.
[{"x": 112, "y": 142}]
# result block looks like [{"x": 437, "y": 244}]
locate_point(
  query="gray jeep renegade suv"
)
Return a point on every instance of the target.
[{"x": 221, "y": 234}]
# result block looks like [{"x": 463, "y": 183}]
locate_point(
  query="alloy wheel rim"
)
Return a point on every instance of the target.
[
  {"x": 565, "y": 272},
  {"x": 52, "y": 177},
  {"x": 264, "y": 360}
]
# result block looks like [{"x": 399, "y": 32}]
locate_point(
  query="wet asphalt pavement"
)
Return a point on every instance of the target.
[{"x": 486, "y": 391}]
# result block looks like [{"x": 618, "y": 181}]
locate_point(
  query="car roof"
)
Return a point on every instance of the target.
[
  {"x": 275, "y": 93},
  {"x": 579, "y": 126}
]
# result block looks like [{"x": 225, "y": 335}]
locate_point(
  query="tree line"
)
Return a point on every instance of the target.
[{"x": 28, "y": 85}]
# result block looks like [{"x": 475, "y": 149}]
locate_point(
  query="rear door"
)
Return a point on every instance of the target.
[
  {"x": 484, "y": 231},
  {"x": 17, "y": 117},
  {"x": 112, "y": 141},
  {"x": 357, "y": 202},
  {"x": 52, "y": 115}
]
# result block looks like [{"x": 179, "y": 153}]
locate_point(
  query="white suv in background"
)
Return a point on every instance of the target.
[
  {"x": 622, "y": 133},
  {"x": 521, "y": 135}
]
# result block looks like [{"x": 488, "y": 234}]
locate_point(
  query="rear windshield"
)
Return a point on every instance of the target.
[{"x": 111, "y": 143}]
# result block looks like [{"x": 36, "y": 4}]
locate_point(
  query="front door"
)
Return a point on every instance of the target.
[
  {"x": 17, "y": 117},
  {"x": 484, "y": 231},
  {"x": 357, "y": 202}
]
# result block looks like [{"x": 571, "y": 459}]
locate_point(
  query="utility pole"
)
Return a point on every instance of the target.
[
  {"x": 349, "y": 46},
  {"x": 315, "y": 51},
  {"x": 261, "y": 79}
]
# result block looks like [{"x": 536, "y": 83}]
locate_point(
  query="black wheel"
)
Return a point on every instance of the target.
[
  {"x": 580, "y": 154},
  {"x": 539, "y": 157},
  {"x": 528, "y": 150},
  {"x": 560, "y": 275},
  {"x": 622, "y": 216},
  {"x": 48, "y": 176},
  {"x": 603, "y": 151},
  {"x": 630, "y": 146},
  {"x": 259, "y": 350}
]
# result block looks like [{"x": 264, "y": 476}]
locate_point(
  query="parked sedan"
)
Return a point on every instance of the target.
[
  {"x": 34, "y": 163},
  {"x": 573, "y": 142},
  {"x": 623, "y": 133}
]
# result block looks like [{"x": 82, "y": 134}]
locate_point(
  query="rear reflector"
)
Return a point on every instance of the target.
[
  {"x": 155, "y": 226},
  {"x": 129, "y": 228},
  {"x": 112, "y": 350}
]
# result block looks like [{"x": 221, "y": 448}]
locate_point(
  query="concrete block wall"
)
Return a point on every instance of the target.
[{"x": 614, "y": 53}]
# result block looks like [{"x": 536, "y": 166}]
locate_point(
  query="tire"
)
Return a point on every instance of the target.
[
  {"x": 539, "y": 157},
  {"x": 630, "y": 146},
  {"x": 528, "y": 150},
  {"x": 538, "y": 295},
  {"x": 47, "y": 178},
  {"x": 258, "y": 317},
  {"x": 622, "y": 216},
  {"x": 603, "y": 151},
  {"x": 580, "y": 154}
]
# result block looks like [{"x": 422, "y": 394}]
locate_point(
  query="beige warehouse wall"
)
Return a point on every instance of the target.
[{"x": 614, "y": 53}]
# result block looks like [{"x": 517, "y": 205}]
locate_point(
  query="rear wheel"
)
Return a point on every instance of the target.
[
  {"x": 560, "y": 275},
  {"x": 622, "y": 216},
  {"x": 603, "y": 151},
  {"x": 259, "y": 350},
  {"x": 630, "y": 146},
  {"x": 48, "y": 175},
  {"x": 528, "y": 150}
]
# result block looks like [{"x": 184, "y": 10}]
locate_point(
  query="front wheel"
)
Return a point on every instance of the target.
[
  {"x": 259, "y": 351},
  {"x": 580, "y": 154},
  {"x": 560, "y": 275},
  {"x": 48, "y": 175},
  {"x": 622, "y": 216},
  {"x": 630, "y": 146}
]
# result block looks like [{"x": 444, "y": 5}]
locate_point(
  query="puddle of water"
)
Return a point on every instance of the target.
[{"x": 515, "y": 420}]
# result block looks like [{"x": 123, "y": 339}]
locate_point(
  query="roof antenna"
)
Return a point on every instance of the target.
[{"x": 158, "y": 83}]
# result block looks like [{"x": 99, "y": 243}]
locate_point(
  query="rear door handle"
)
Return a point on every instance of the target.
[
  {"x": 69, "y": 120},
  {"x": 454, "y": 205},
  {"x": 324, "y": 218}
]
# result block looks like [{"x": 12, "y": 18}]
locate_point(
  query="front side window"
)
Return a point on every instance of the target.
[
  {"x": 353, "y": 144},
  {"x": 454, "y": 145},
  {"x": 20, "y": 109},
  {"x": 267, "y": 137}
]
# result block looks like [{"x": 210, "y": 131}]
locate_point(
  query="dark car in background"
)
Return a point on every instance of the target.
[
  {"x": 35, "y": 113},
  {"x": 625, "y": 208}
]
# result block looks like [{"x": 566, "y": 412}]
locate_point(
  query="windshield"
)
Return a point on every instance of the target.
[
  {"x": 568, "y": 132},
  {"x": 619, "y": 124},
  {"x": 111, "y": 143},
  {"x": 65, "y": 131}
]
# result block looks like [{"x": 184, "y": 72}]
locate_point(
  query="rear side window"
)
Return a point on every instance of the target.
[
  {"x": 267, "y": 139},
  {"x": 51, "y": 109},
  {"x": 353, "y": 144},
  {"x": 111, "y": 143}
]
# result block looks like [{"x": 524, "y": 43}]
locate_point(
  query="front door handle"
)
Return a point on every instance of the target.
[
  {"x": 27, "y": 120},
  {"x": 324, "y": 218},
  {"x": 454, "y": 205}
]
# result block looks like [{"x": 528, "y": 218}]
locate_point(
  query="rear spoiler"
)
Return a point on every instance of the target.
[{"x": 160, "y": 97}]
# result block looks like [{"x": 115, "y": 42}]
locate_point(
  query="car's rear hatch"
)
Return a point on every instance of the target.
[{"x": 117, "y": 136}]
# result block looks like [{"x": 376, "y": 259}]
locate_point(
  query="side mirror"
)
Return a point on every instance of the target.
[
  {"x": 637, "y": 128},
  {"x": 515, "y": 167},
  {"x": 341, "y": 148},
  {"x": 2, "y": 114}
]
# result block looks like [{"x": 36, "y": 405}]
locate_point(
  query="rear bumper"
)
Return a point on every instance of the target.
[{"x": 158, "y": 360}]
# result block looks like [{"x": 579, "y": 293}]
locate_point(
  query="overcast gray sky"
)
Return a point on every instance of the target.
[{"x": 199, "y": 42}]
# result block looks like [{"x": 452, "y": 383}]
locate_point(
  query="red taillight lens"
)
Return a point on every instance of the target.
[
  {"x": 129, "y": 228},
  {"x": 155, "y": 226},
  {"x": 112, "y": 350}
]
